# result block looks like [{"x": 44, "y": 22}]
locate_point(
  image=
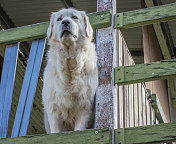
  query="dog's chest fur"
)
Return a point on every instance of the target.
[{"x": 71, "y": 77}]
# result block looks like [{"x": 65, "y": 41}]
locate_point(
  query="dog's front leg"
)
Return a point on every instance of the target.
[
  {"x": 82, "y": 121},
  {"x": 54, "y": 122}
]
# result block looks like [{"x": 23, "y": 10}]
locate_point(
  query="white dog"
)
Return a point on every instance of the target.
[{"x": 71, "y": 75}]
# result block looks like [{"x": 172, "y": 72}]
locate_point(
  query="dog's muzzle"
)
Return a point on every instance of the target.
[{"x": 66, "y": 28}]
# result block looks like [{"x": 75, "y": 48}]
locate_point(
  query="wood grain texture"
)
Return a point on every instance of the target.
[
  {"x": 160, "y": 35},
  {"x": 23, "y": 33},
  {"x": 153, "y": 53},
  {"x": 121, "y": 95},
  {"x": 96, "y": 136},
  {"x": 28, "y": 89},
  {"x": 132, "y": 100},
  {"x": 106, "y": 110},
  {"x": 147, "y": 134},
  {"x": 32, "y": 87},
  {"x": 146, "y": 72},
  {"x": 6, "y": 87},
  {"x": 35, "y": 31},
  {"x": 104, "y": 105},
  {"x": 36, "y": 125},
  {"x": 145, "y": 16},
  {"x": 165, "y": 49}
]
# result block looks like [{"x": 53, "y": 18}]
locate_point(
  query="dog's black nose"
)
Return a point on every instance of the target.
[{"x": 65, "y": 23}]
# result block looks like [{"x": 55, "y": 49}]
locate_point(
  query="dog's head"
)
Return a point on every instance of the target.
[{"x": 69, "y": 25}]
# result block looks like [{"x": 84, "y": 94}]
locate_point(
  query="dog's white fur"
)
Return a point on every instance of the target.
[{"x": 70, "y": 76}]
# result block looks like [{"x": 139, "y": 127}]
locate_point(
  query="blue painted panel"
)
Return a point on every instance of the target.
[
  {"x": 28, "y": 89},
  {"x": 24, "y": 90},
  {"x": 6, "y": 87},
  {"x": 32, "y": 88}
]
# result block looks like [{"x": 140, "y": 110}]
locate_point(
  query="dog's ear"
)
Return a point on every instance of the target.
[
  {"x": 88, "y": 27},
  {"x": 50, "y": 28}
]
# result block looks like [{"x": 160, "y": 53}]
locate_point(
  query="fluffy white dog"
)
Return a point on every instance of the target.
[{"x": 70, "y": 76}]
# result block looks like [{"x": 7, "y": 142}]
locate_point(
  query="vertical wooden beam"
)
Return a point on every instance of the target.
[
  {"x": 6, "y": 87},
  {"x": 121, "y": 94},
  {"x": 166, "y": 44},
  {"x": 106, "y": 109},
  {"x": 153, "y": 53}
]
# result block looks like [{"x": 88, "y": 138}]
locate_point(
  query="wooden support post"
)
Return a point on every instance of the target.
[
  {"x": 166, "y": 45},
  {"x": 6, "y": 87},
  {"x": 106, "y": 109},
  {"x": 152, "y": 53}
]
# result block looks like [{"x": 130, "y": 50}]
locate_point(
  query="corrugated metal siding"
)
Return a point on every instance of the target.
[
  {"x": 85, "y": 5},
  {"x": 133, "y": 36},
  {"x": 35, "y": 11},
  {"x": 127, "y": 5},
  {"x": 30, "y": 11}
]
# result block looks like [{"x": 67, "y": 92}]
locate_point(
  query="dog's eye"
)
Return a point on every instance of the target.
[
  {"x": 74, "y": 17},
  {"x": 59, "y": 19}
]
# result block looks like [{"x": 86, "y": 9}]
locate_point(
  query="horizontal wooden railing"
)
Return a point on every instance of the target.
[
  {"x": 36, "y": 31},
  {"x": 144, "y": 134},
  {"x": 145, "y": 16},
  {"x": 145, "y": 72},
  {"x": 98, "y": 20}
]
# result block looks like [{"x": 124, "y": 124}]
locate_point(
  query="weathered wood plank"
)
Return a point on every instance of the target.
[
  {"x": 24, "y": 90},
  {"x": 145, "y": 16},
  {"x": 106, "y": 110},
  {"x": 140, "y": 105},
  {"x": 136, "y": 106},
  {"x": 35, "y": 31},
  {"x": 36, "y": 118},
  {"x": 32, "y": 87},
  {"x": 121, "y": 95},
  {"x": 147, "y": 134},
  {"x": 6, "y": 87},
  {"x": 144, "y": 99},
  {"x": 28, "y": 89},
  {"x": 145, "y": 72},
  {"x": 160, "y": 35},
  {"x": 95, "y": 136},
  {"x": 166, "y": 44},
  {"x": 152, "y": 53}
]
